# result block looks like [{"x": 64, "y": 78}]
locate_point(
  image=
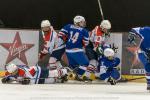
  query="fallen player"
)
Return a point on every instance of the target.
[{"x": 33, "y": 75}]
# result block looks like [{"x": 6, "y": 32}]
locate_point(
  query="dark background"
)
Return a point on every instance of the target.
[{"x": 123, "y": 14}]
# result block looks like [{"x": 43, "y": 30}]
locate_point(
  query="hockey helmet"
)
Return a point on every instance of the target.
[
  {"x": 11, "y": 68},
  {"x": 78, "y": 19},
  {"x": 108, "y": 52},
  {"x": 105, "y": 24},
  {"x": 45, "y": 23}
]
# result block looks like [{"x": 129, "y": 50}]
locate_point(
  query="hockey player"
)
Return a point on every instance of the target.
[
  {"x": 97, "y": 40},
  {"x": 108, "y": 70},
  {"x": 32, "y": 75},
  {"x": 143, "y": 33},
  {"x": 51, "y": 45},
  {"x": 76, "y": 37}
]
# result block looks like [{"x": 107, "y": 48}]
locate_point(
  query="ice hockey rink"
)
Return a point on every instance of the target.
[{"x": 121, "y": 91}]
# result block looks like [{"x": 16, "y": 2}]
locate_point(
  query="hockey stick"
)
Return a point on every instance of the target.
[
  {"x": 128, "y": 80},
  {"x": 100, "y": 9}
]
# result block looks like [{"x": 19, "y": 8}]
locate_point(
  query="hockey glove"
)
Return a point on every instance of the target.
[
  {"x": 7, "y": 79},
  {"x": 99, "y": 51},
  {"x": 114, "y": 47}
]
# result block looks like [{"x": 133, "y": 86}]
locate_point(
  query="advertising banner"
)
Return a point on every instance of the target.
[{"x": 19, "y": 47}]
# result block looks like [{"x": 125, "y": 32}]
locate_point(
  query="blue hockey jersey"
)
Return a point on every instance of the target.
[
  {"x": 75, "y": 37},
  {"x": 144, "y": 33},
  {"x": 109, "y": 63}
]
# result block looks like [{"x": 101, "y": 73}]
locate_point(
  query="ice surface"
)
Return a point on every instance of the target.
[{"x": 121, "y": 91}]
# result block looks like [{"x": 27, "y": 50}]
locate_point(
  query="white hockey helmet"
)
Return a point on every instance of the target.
[
  {"x": 78, "y": 19},
  {"x": 11, "y": 68},
  {"x": 105, "y": 24},
  {"x": 108, "y": 52},
  {"x": 45, "y": 23}
]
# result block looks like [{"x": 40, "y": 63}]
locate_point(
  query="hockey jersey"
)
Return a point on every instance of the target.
[
  {"x": 24, "y": 71},
  {"x": 51, "y": 43},
  {"x": 144, "y": 33},
  {"x": 75, "y": 37},
  {"x": 109, "y": 63},
  {"x": 97, "y": 37}
]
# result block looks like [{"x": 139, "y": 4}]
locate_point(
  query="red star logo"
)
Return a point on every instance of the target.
[
  {"x": 133, "y": 50},
  {"x": 17, "y": 49}
]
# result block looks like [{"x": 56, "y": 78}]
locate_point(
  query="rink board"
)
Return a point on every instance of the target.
[{"x": 136, "y": 78}]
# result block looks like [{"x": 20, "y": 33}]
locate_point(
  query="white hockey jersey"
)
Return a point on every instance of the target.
[{"x": 51, "y": 42}]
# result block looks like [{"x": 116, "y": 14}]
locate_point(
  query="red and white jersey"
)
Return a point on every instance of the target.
[
  {"x": 28, "y": 71},
  {"x": 50, "y": 41},
  {"x": 32, "y": 72},
  {"x": 97, "y": 36}
]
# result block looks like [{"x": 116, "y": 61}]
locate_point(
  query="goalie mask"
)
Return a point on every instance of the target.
[{"x": 79, "y": 21}]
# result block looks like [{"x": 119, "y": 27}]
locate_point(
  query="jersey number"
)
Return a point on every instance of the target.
[{"x": 73, "y": 37}]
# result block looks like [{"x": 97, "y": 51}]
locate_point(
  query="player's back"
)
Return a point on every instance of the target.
[
  {"x": 76, "y": 36},
  {"x": 22, "y": 70},
  {"x": 145, "y": 32},
  {"x": 26, "y": 71}
]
